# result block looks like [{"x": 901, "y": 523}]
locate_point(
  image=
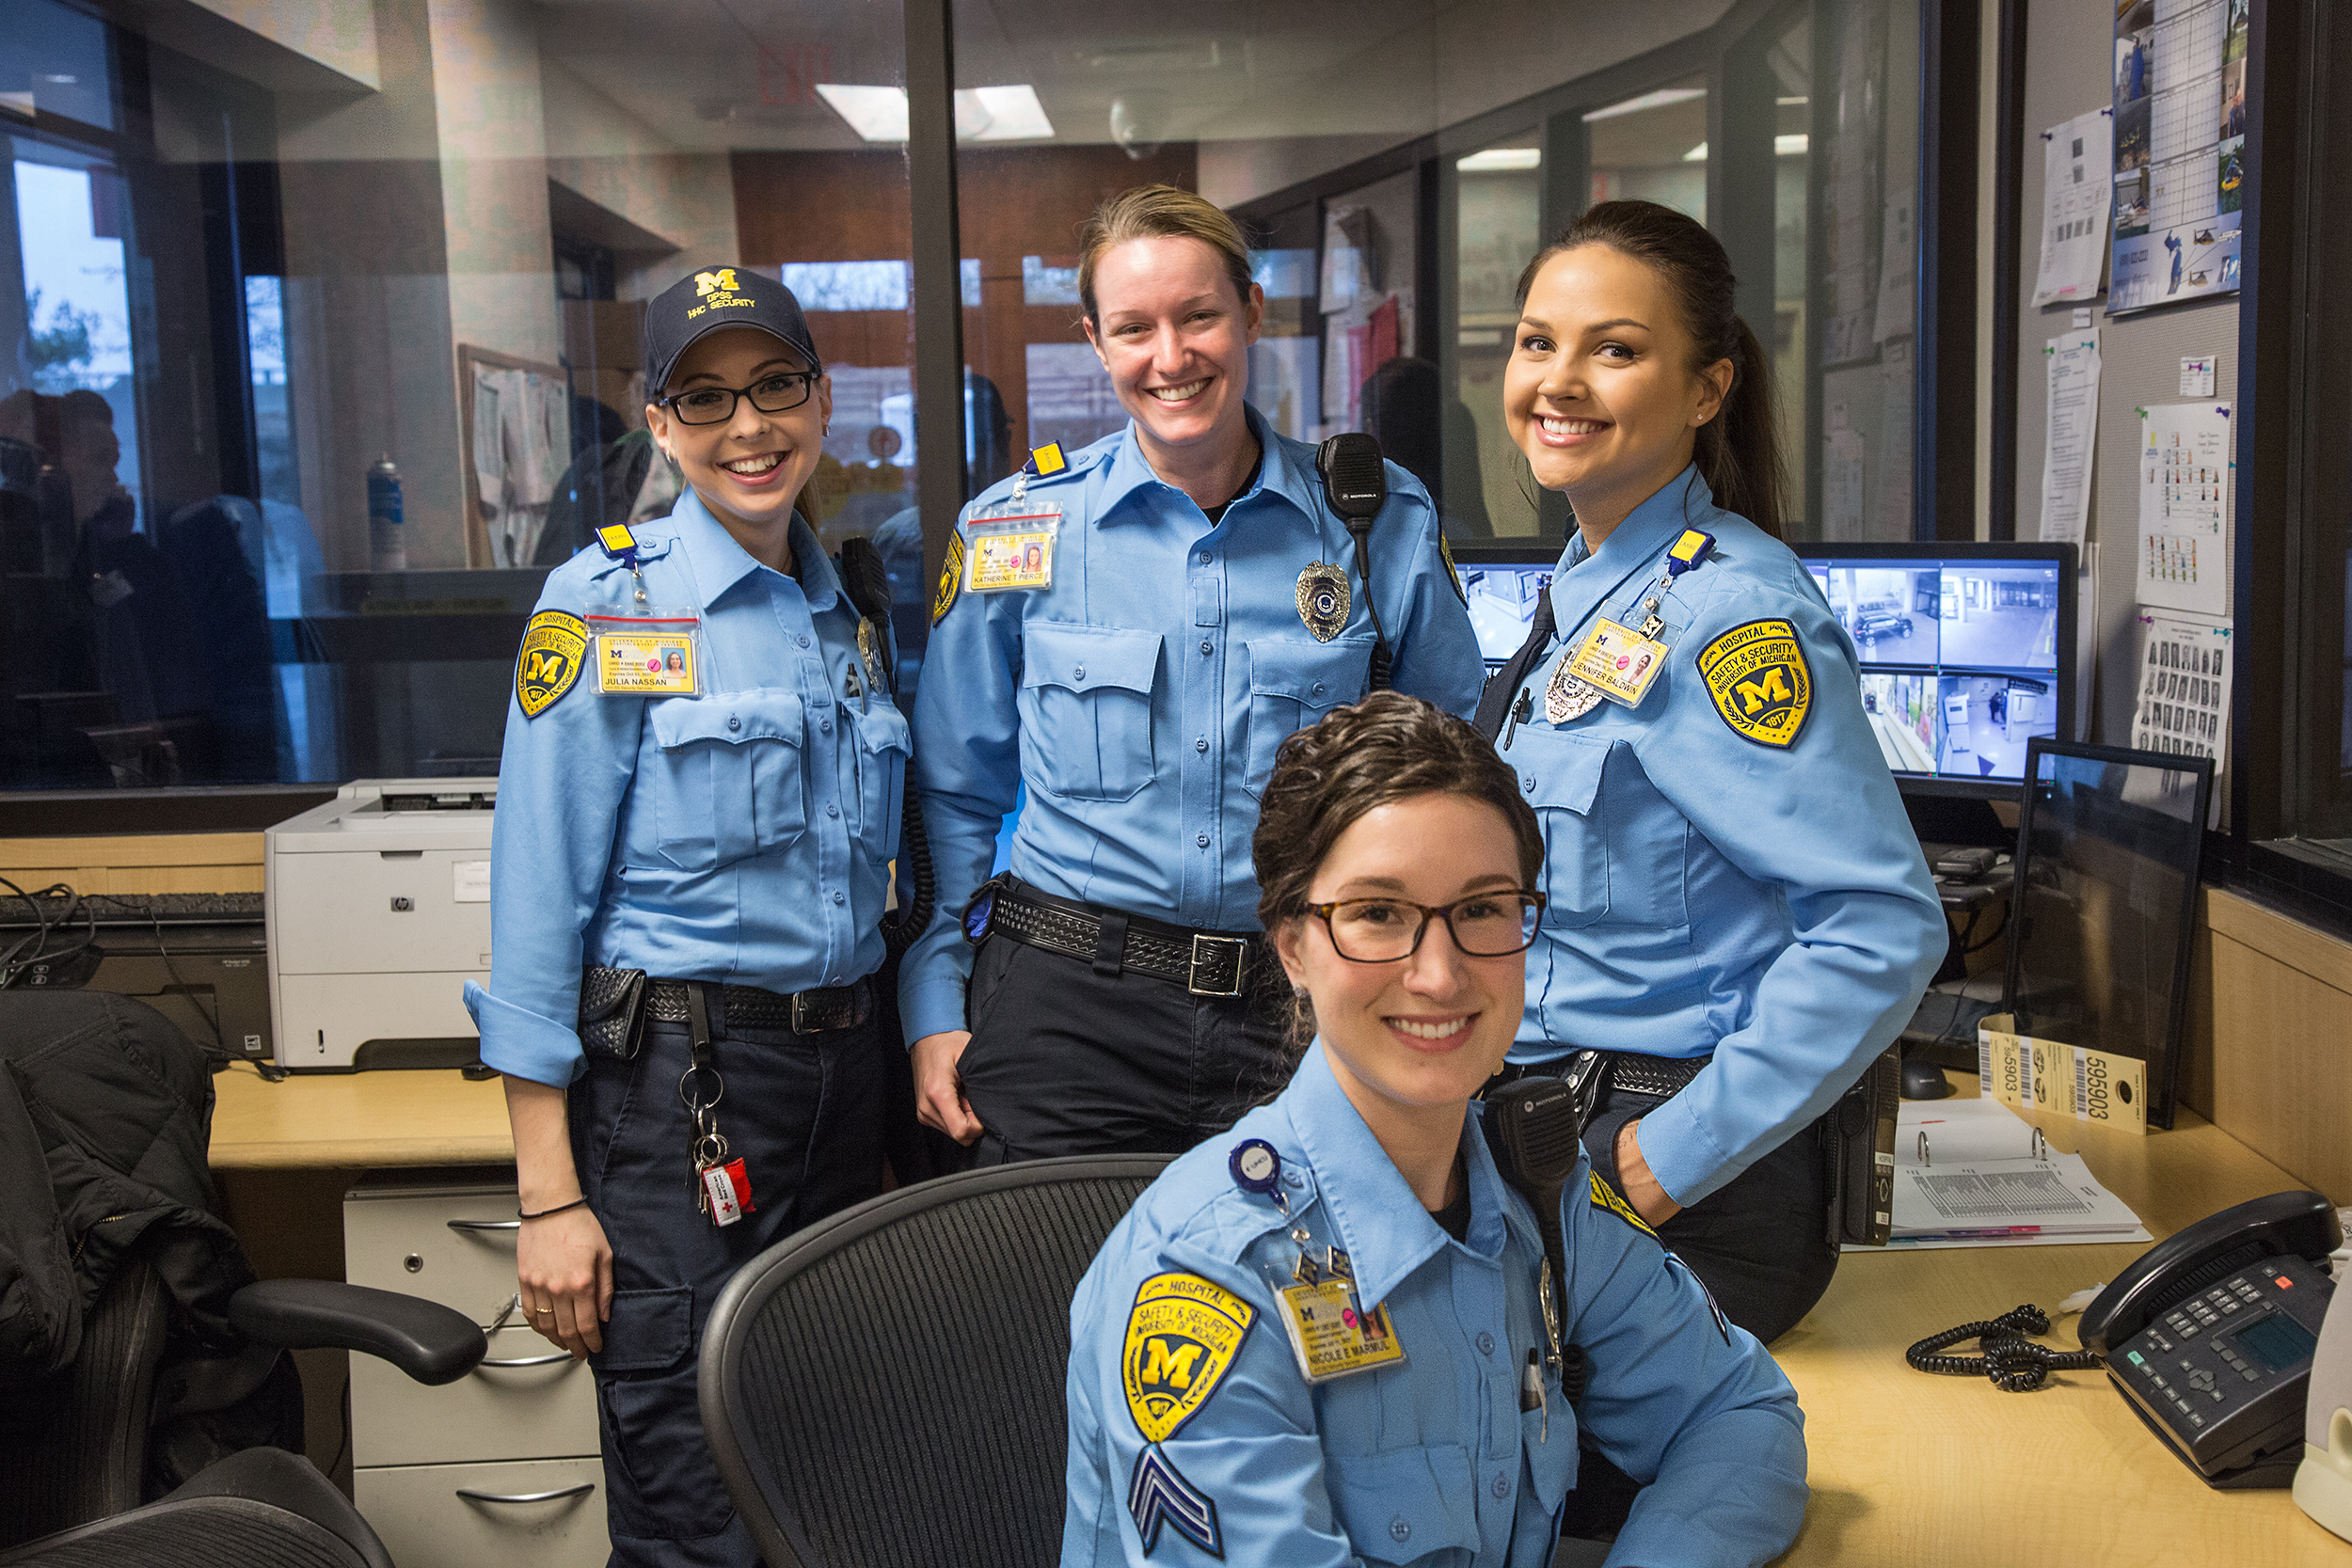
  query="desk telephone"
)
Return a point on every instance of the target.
[{"x": 2209, "y": 1335}]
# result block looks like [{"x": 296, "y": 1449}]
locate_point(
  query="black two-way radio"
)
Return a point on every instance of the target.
[
  {"x": 1356, "y": 488},
  {"x": 1533, "y": 1126}
]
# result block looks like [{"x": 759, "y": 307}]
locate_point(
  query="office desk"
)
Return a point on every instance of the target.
[
  {"x": 356, "y": 1121},
  {"x": 1951, "y": 1472}
]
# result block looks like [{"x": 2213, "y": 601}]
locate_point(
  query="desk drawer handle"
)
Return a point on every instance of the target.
[
  {"x": 485, "y": 1224},
  {"x": 528, "y": 1360},
  {"x": 473, "y": 1497}
]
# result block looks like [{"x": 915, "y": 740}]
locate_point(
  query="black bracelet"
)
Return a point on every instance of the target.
[{"x": 544, "y": 1212}]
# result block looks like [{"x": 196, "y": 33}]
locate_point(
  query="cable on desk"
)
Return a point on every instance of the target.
[{"x": 2014, "y": 1363}]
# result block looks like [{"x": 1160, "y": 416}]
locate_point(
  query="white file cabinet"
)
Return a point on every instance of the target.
[{"x": 500, "y": 1466}]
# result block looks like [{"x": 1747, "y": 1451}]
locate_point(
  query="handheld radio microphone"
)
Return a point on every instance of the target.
[{"x": 1356, "y": 488}]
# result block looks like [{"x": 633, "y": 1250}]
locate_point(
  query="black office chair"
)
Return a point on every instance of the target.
[
  {"x": 886, "y": 1386},
  {"x": 76, "y": 1468}
]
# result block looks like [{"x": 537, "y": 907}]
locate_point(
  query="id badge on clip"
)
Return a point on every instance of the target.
[
  {"x": 1618, "y": 661},
  {"x": 1330, "y": 1332},
  {"x": 648, "y": 655},
  {"x": 1013, "y": 551}
]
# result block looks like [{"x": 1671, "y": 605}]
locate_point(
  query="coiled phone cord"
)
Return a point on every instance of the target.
[{"x": 2014, "y": 1363}]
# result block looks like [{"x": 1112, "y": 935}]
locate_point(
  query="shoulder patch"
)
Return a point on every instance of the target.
[
  {"x": 1605, "y": 1196},
  {"x": 951, "y": 579},
  {"x": 1760, "y": 681},
  {"x": 1182, "y": 1334},
  {"x": 1453, "y": 575},
  {"x": 555, "y": 644}
]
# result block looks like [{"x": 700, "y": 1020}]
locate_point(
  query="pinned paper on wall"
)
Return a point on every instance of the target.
[
  {"x": 2076, "y": 190},
  {"x": 2184, "y": 485},
  {"x": 2181, "y": 702},
  {"x": 2073, "y": 363}
]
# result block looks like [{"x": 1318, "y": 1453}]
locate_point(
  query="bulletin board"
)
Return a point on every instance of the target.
[{"x": 514, "y": 427}]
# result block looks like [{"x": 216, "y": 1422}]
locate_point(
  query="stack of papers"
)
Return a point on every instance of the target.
[{"x": 1967, "y": 1174}]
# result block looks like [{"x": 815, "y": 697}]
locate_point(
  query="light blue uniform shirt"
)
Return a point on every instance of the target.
[
  {"x": 1709, "y": 891},
  {"x": 1141, "y": 697},
  {"x": 1430, "y": 1461},
  {"x": 744, "y": 835}
]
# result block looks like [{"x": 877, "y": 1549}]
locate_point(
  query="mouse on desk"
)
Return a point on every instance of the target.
[{"x": 1924, "y": 1080}]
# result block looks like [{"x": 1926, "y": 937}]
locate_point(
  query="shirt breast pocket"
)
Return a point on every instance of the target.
[
  {"x": 1407, "y": 1505},
  {"x": 882, "y": 748},
  {"x": 1561, "y": 774},
  {"x": 1293, "y": 684},
  {"x": 732, "y": 783},
  {"x": 1086, "y": 708}
]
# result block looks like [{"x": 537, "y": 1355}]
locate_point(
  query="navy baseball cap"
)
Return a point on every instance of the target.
[{"x": 712, "y": 299}]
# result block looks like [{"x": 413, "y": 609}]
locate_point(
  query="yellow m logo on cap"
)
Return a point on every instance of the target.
[{"x": 720, "y": 282}]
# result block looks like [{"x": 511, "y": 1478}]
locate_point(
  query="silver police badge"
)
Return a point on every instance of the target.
[
  {"x": 870, "y": 654},
  {"x": 1323, "y": 600},
  {"x": 1568, "y": 697}
]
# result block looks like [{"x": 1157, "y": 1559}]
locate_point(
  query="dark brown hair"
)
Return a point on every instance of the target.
[
  {"x": 1387, "y": 748},
  {"x": 1160, "y": 212},
  {"x": 1739, "y": 450}
]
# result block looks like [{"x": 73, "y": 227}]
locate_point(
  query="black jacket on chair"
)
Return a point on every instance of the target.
[{"x": 106, "y": 1110}]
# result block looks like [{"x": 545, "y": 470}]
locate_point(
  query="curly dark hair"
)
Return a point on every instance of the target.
[{"x": 1389, "y": 747}]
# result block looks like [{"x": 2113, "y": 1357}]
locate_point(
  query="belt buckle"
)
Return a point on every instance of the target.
[
  {"x": 800, "y": 1013},
  {"x": 1240, "y": 946}
]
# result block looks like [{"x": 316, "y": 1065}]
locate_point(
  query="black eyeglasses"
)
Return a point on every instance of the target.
[
  {"x": 774, "y": 395},
  {"x": 1382, "y": 930}
]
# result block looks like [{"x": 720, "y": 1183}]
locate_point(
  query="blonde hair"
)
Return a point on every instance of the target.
[{"x": 1160, "y": 212}]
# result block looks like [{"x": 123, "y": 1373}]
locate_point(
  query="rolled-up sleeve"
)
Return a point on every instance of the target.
[{"x": 563, "y": 777}]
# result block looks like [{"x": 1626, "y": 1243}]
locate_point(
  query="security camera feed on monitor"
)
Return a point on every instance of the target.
[{"x": 1958, "y": 659}]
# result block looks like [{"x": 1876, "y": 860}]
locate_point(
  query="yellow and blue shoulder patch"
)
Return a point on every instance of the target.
[
  {"x": 1182, "y": 1334},
  {"x": 951, "y": 578},
  {"x": 555, "y": 644},
  {"x": 1760, "y": 681},
  {"x": 1605, "y": 1196},
  {"x": 1445, "y": 553}
]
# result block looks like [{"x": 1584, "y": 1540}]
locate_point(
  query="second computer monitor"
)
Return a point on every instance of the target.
[{"x": 1967, "y": 653}]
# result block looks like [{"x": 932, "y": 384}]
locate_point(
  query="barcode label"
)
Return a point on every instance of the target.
[
  {"x": 1984, "y": 1063},
  {"x": 2082, "y": 1086}
]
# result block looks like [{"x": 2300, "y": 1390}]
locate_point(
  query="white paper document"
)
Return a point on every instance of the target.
[
  {"x": 2076, "y": 191},
  {"x": 2073, "y": 361},
  {"x": 2185, "y": 484},
  {"x": 1970, "y": 1172}
]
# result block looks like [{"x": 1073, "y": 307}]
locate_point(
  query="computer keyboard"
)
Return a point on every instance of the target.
[{"x": 131, "y": 909}]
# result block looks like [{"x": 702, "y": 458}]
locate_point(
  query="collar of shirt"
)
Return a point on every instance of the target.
[
  {"x": 1129, "y": 471},
  {"x": 1375, "y": 1218},
  {"x": 1578, "y": 589},
  {"x": 717, "y": 562}
]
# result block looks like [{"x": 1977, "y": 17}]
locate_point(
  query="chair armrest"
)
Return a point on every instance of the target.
[{"x": 430, "y": 1342}]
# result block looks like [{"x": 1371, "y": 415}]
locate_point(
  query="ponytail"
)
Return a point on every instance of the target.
[{"x": 1737, "y": 451}]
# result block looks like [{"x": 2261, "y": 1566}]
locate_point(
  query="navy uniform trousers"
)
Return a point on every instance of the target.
[
  {"x": 804, "y": 1113},
  {"x": 1136, "y": 1064}
]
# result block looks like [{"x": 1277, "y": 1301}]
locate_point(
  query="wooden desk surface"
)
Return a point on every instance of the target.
[
  {"x": 1951, "y": 1472},
  {"x": 358, "y": 1120}
]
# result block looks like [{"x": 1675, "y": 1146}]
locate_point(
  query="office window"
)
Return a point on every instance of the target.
[{"x": 322, "y": 332}]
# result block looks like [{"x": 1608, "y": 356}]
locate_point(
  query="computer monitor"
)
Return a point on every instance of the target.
[
  {"x": 1502, "y": 579},
  {"x": 1968, "y": 654}
]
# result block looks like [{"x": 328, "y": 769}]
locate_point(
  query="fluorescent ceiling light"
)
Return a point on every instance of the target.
[
  {"x": 1782, "y": 146},
  {"x": 876, "y": 114},
  {"x": 1005, "y": 114},
  {"x": 983, "y": 113},
  {"x": 1658, "y": 100},
  {"x": 1791, "y": 103},
  {"x": 1497, "y": 159}
]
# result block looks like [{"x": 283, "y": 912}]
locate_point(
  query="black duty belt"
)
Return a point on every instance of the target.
[
  {"x": 804, "y": 1012},
  {"x": 1206, "y": 963},
  {"x": 1663, "y": 1076}
]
